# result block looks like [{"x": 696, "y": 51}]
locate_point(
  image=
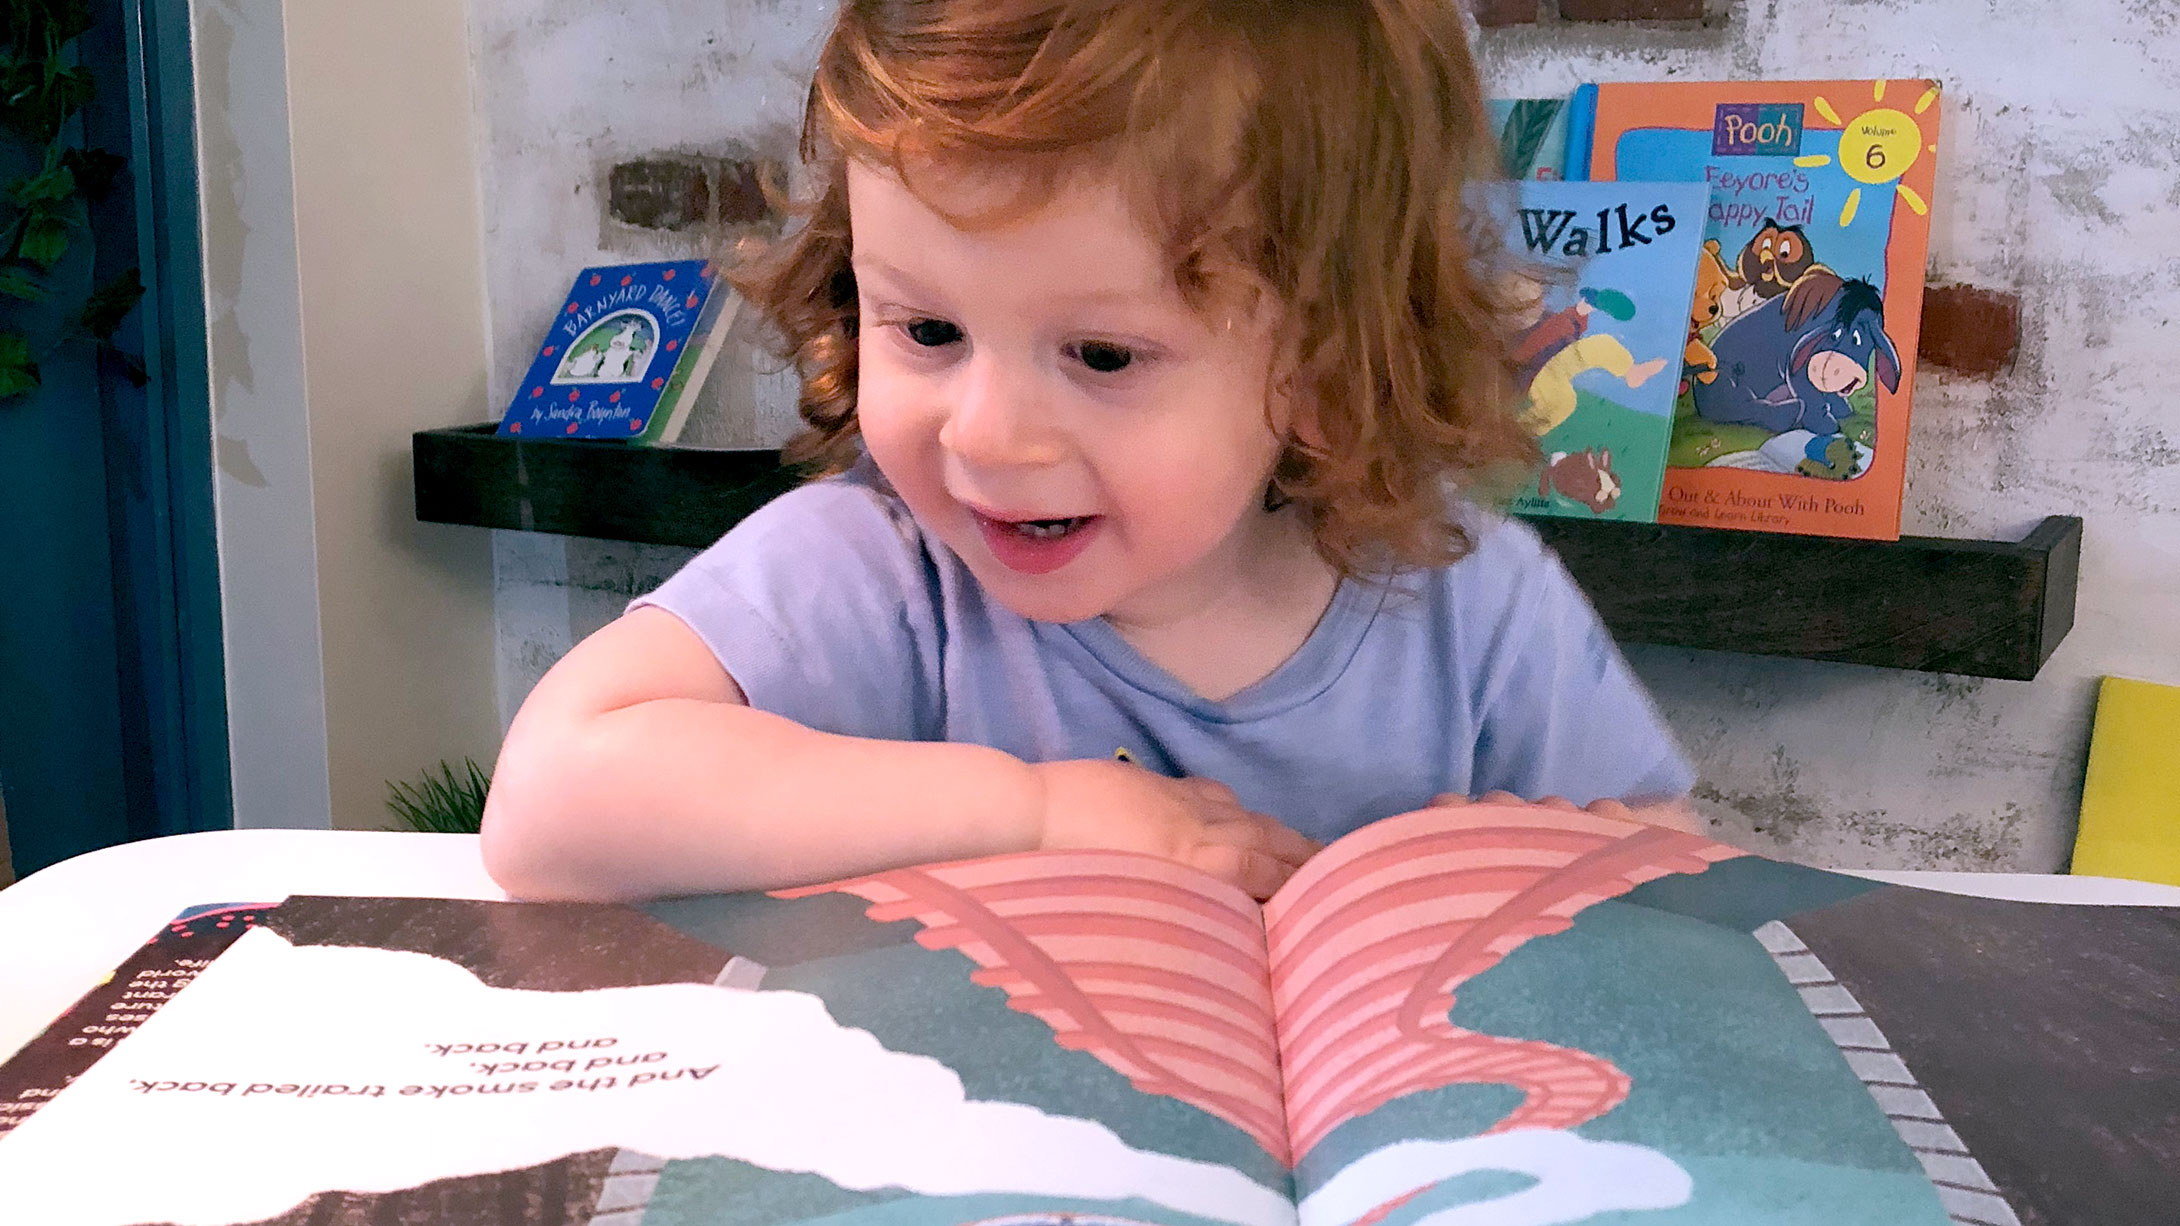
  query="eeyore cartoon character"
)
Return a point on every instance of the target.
[{"x": 1791, "y": 362}]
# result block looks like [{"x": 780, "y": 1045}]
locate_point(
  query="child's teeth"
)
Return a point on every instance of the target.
[{"x": 1045, "y": 529}]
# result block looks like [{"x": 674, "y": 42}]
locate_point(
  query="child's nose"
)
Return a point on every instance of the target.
[{"x": 997, "y": 420}]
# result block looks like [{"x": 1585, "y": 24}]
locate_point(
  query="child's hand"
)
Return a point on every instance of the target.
[
  {"x": 1675, "y": 814},
  {"x": 1198, "y": 822}
]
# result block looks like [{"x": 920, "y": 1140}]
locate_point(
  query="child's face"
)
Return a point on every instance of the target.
[{"x": 1048, "y": 370}]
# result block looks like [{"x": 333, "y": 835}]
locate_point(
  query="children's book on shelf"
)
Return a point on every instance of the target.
[
  {"x": 1793, "y": 416},
  {"x": 1606, "y": 272},
  {"x": 1533, "y": 137},
  {"x": 1497, "y": 1015},
  {"x": 628, "y": 350}
]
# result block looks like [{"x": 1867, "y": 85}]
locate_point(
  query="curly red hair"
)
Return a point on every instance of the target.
[{"x": 1317, "y": 149}]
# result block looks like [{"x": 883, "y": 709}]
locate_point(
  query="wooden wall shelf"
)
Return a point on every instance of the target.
[{"x": 1982, "y": 608}]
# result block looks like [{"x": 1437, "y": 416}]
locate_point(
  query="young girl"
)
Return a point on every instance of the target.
[{"x": 1147, "y": 349}]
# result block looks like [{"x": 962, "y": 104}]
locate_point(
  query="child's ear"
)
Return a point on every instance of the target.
[{"x": 1298, "y": 409}]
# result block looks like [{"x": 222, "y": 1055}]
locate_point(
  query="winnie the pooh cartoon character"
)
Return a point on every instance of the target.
[{"x": 1697, "y": 360}]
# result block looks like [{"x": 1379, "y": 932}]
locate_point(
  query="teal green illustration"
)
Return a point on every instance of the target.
[
  {"x": 1733, "y": 1078},
  {"x": 875, "y": 978},
  {"x": 1603, "y": 423}
]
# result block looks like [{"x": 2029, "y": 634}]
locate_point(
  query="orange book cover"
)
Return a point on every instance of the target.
[{"x": 1800, "y": 365}]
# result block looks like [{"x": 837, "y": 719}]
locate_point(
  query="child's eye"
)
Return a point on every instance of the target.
[
  {"x": 931, "y": 333},
  {"x": 1104, "y": 358}
]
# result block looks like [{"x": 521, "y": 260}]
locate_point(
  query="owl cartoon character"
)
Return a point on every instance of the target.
[{"x": 1772, "y": 261}]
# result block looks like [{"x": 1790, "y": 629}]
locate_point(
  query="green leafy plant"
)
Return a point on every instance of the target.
[
  {"x": 442, "y": 802},
  {"x": 42, "y": 90}
]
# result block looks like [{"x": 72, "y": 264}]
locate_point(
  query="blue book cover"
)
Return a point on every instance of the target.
[
  {"x": 1581, "y": 128},
  {"x": 612, "y": 352},
  {"x": 1604, "y": 330}
]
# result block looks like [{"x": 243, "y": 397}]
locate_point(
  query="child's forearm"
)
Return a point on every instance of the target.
[{"x": 677, "y": 796}]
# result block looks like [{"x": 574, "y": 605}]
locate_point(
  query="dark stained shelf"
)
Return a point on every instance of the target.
[
  {"x": 1982, "y": 608},
  {"x": 574, "y": 487}
]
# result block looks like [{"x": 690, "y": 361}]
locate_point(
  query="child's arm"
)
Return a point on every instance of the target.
[{"x": 635, "y": 769}]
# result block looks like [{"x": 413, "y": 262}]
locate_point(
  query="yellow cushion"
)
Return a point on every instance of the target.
[{"x": 2130, "y": 823}]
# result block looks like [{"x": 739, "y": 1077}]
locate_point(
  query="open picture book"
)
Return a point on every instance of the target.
[{"x": 1485, "y": 1016}]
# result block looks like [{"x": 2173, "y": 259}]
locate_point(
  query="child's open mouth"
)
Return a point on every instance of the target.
[{"x": 1037, "y": 546}]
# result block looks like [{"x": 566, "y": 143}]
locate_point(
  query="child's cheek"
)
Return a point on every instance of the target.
[{"x": 901, "y": 434}]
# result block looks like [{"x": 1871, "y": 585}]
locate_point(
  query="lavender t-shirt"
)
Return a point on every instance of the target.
[{"x": 829, "y": 606}]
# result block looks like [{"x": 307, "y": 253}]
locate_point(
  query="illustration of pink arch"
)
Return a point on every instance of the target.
[
  {"x": 1152, "y": 968},
  {"x": 1160, "y": 973},
  {"x": 1368, "y": 950}
]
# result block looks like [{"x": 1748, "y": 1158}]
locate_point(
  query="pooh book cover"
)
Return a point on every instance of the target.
[
  {"x": 1792, "y": 408},
  {"x": 1606, "y": 272},
  {"x": 624, "y": 355}
]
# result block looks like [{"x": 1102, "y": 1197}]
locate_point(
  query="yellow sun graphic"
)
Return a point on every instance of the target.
[{"x": 1876, "y": 146}]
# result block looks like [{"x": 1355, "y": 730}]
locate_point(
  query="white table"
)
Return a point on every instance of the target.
[{"x": 63, "y": 928}]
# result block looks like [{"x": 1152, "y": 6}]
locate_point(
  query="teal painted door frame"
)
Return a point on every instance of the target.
[{"x": 113, "y": 721}]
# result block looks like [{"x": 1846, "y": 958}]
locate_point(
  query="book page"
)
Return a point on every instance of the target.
[
  {"x": 1369, "y": 943},
  {"x": 739, "y": 1058},
  {"x": 112, "y": 1011},
  {"x": 1153, "y": 968},
  {"x": 1501, "y": 1016}
]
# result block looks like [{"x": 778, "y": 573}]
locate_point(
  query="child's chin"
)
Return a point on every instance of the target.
[
  {"x": 1045, "y": 598},
  {"x": 1066, "y": 595}
]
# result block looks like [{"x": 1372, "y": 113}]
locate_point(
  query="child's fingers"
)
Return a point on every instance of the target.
[
  {"x": 1457, "y": 799},
  {"x": 1258, "y": 874},
  {"x": 1603, "y": 808},
  {"x": 1211, "y": 789},
  {"x": 1257, "y": 833},
  {"x": 1246, "y": 826},
  {"x": 1284, "y": 844}
]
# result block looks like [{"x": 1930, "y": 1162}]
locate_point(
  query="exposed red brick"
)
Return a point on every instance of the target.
[
  {"x": 1631, "y": 10},
  {"x": 1974, "y": 331},
  {"x": 658, "y": 193},
  {"x": 1490, "y": 13},
  {"x": 739, "y": 184}
]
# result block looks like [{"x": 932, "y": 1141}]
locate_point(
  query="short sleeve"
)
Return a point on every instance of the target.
[
  {"x": 1559, "y": 713},
  {"x": 822, "y": 607}
]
